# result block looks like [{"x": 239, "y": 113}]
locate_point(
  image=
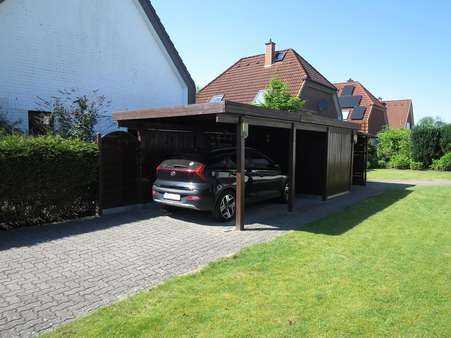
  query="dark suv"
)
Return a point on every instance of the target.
[{"x": 207, "y": 181}]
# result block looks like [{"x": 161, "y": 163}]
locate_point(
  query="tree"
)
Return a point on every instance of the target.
[
  {"x": 8, "y": 127},
  {"x": 76, "y": 115},
  {"x": 277, "y": 96},
  {"x": 429, "y": 121}
]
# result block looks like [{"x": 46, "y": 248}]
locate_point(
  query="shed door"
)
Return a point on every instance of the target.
[{"x": 359, "y": 170}]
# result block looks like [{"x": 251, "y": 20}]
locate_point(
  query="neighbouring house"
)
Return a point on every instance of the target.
[
  {"x": 360, "y": 106},
  {"x": 400, "y": 113},
  {"x": 245, "y": 81},
  {"x": 119, "y": 48}
]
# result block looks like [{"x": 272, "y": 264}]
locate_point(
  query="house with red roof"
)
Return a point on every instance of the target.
[
  {"x": 399, "y": 113},
  {"x": 358, "y": 105},
  {"x": 245, "y": 81}
]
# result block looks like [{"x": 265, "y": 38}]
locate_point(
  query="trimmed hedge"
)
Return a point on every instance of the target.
[
  {"x": 46, "y": 179},
  {"x": 426, "y": 144}
]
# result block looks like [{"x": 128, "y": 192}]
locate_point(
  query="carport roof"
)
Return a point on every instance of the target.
[{"x": 230, "y": 112}]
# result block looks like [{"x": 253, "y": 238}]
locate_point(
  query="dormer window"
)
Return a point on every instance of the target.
[
  {"x": 260, "y": 97},
  {"x": 217, "y": 98}
]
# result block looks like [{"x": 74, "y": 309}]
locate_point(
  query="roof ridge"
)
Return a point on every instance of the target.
[
  {"x": 165, "y": 39},
  {"x": 299, "y": 57},
  {"x": 396, "y": 100},
  {"x": 230, "y": 67}
]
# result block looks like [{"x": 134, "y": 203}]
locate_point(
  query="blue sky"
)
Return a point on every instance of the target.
[{"x": 397, "y": 49}]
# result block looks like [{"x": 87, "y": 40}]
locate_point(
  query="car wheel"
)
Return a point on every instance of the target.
[{"x": 225, "y": 206}]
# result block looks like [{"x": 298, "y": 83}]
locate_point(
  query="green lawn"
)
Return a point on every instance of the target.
[
  {"x": 395, "y": 174},
  {"x": 379, "y": 268}
]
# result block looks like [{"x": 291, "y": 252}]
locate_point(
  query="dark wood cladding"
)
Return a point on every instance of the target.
[
  {"x": 339, "y": 160},
  {"x": 119, "y": 170}
]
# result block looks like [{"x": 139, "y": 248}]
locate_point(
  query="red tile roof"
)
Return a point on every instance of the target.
[
  {"x": 398, "y": 113},
  {"x": 374, "y": 119},
  {"x": 242, "y": 81}
]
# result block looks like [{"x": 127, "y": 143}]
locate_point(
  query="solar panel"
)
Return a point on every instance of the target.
[
  {"x": 347, "y": 90},
  {"x": 349, "y": 101},
  {"x": 217, "y": 98},
  {"x": 358, "y": 113},
  {"x": 279, "y": 56}
]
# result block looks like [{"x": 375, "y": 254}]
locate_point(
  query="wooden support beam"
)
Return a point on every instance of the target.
[
  {"x": 240, "y": 175},
  {"x": 326, "y": 173},
  {"x": 292, "y": 169}
]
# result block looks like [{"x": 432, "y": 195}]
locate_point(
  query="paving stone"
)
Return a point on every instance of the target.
[{"x": 51, "y": 274}]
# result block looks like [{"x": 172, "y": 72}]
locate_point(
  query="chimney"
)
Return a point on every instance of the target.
[{"x": 270, "y": 52}]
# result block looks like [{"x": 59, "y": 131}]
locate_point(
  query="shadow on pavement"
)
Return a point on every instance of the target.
[{"x": 265, "y": 216}]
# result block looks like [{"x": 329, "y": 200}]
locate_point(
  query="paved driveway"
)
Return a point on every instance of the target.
[{"x": 55, "y": 273}]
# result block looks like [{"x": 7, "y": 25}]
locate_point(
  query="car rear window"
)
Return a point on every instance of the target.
[{"x": 179, "y": 163}]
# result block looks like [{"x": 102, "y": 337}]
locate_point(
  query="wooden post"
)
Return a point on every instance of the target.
[
  {"x": 100, "y": 175},
  {"x": 240, "y": 175},
  {"x": 292, "y": 169},
  {"x": 326, "y": 173},
  {"x": 140, "y": 189},
  {"x": 351, "y": 174}
]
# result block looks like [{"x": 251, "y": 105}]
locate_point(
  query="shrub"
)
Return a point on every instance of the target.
[
  {"x": 426, "y": 143},
  {"x": 382, "y": 164},
  {"x": 442, "y": 164},
  {"x": 393, "y": 142},
  {"x": 399, "y": 162},
  {"x": 46, "y": 179},
  {"x": 445, "y": 138},
  {"x": 416, "y": 165},
  {"x": 372, "y": 156}
]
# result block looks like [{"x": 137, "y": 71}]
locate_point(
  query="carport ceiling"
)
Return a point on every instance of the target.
[{"x": 207, "y": 114}]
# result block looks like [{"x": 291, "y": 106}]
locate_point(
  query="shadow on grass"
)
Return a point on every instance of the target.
[{"x": 269, "y": 216}]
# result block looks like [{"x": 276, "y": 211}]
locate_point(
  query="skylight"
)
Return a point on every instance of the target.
[
  {"x": 217, "y": 98},
  {"x": 260, "y": 97},
  {"x": 279, "y": 56}
]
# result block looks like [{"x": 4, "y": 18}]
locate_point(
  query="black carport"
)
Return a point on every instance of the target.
[{"x": 317, "y": 150}]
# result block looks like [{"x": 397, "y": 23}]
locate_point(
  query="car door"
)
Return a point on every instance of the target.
[{"x": 265, "y": 174}]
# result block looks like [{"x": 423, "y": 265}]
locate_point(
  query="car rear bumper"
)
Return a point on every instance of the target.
[{"x": 189, "y": 199}]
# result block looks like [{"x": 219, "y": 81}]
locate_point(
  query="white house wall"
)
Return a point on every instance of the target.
[{"x": 104, "y": 45}]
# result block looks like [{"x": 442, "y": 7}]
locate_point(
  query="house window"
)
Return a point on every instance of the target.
[
  {"x": 408, "y": 125},
  {"x": 345, "y": 113},
  {"x": 39, "y": 122},
  {"x": 217, "y": 98},
  {"x": 260, "y": 97}
]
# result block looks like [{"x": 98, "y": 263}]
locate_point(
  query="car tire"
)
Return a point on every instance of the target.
[{"x": 225, "y": 206}]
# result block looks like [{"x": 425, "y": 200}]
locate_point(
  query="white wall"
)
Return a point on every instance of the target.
[{"x": 108, "y": 45}]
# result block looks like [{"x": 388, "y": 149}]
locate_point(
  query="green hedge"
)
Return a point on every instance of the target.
[
  {"x": 426, "y": 144},
  {"x": 46, "y": 179},
  {"x": 442, "y": 164}
]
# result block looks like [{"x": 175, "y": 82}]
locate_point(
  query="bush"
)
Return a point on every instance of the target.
[
  {"x": 46, "y": 179},
  {"x": 426, "y": 143},
  {"x": 416, "y": 165},
  {"x": 393, "y": 142},
  {"x": 399, "y": 162},
  {"x": 445, "y": 138},
  {"x": 443, "y": 164},
  {"x": 382, "y": 164}
]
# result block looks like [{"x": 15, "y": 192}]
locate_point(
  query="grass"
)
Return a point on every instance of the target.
[
  {"x": 396, "y": 174},
  {"x": 379, "y": 268}
]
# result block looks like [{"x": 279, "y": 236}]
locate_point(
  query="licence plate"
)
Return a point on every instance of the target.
[{"x": 172, "y": 197}]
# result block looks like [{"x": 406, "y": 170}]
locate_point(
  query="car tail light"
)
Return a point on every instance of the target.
[{"x": 198, "y": 171}]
